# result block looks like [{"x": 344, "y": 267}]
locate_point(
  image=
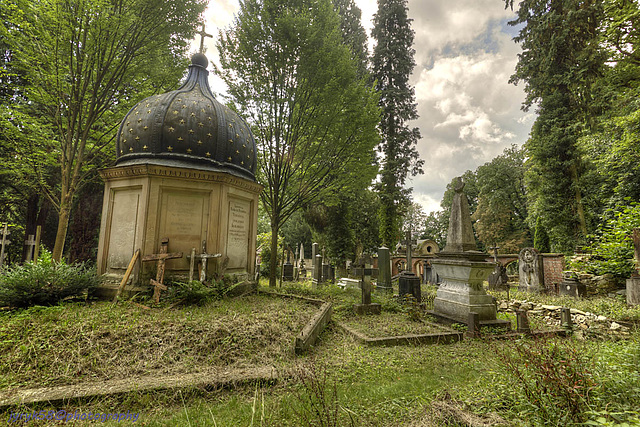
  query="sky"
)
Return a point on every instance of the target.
[{"x": 469, "y": 113}]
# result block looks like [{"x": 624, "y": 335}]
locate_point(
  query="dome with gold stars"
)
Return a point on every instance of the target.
[{"x": 189, "y": 128}]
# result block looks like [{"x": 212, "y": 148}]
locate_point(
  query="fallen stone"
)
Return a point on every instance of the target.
[
  {"x": 601, "y": 318},
  {"x": 615, "y": 326},
  {"x": 551, "y": 307}
]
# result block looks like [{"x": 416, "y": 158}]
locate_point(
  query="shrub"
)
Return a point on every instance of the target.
[
  {"x": 198, "y": 293},
  {"x": 553, "y": 380},
  {"x": 44, "y": 283},
  {"x": 611, "y": 250}
]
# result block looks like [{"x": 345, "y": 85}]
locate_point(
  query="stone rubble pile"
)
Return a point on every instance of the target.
[{"x": 551, "y": 314}]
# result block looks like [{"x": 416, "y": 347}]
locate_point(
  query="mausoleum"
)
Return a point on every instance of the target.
[{"x": 185, "y": 170}]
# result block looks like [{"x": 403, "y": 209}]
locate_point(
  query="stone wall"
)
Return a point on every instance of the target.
[{"x": 553, "y": 265}]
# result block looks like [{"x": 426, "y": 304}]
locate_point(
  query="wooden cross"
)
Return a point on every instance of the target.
[
  {"x": 162, "y": 257},
  {"x": 203, "y": 257},
  {"x": 30, "y": 243},
  {"x": 5, "y": 242},
  {"x": 408, "y": 242},
  {"x": 202, "y": 34}
]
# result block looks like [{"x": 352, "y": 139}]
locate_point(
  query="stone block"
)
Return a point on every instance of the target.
[
  {"x": 363, "y": 309},
  {"x": 633, "y": 291}
]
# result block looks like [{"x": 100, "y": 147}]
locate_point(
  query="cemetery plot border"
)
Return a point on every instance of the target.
[{"x": 445, "y": 337}]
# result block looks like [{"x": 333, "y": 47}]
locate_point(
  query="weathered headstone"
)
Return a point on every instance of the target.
[
  {"x": 287, "y": 269},
  {"x": 571, "y": 286},
  {"x": 522, "y": 322},
  {"x": 633, "y": 283},
  {"x": 366, "y": 307},
  {"x": 462, "y": 270},
  {"x": 384, "y": 270},
  {"x": 317, "y": 271},
  {"x": 408, "y": 242},
  {"x": 531, "y": 272},
  {"x": 498, "y": 279},
  {"x": 315, "y": 250},
  {"x": 473, "y": 325},
  {"x": 302, "y": 269},
  {"x": 566, "y": 322}
]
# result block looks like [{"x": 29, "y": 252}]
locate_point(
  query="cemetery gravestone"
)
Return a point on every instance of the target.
[
  {"x": 287, "y": 269},
  {"x": 462, "y": 270},
  {"x": 571, "y": 286},
  {"x": 384, "y": 270},
  {"x": 409, "y": 282},
  {"x": 366, "y": 307},
  {"x": 317, "y": 272},
  {"x": 531, "y": 272},
  {"x": 498, "y": 279}
]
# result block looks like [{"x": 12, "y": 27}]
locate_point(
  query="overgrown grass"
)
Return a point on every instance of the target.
[
  {"x": 73, "y": 343},
  {"x": 363, "y": 386}
]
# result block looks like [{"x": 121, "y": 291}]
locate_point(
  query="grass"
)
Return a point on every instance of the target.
[
  {"x": 356, "y": 385},
  {"x": 388, "y": 325},
  {"x": 73, "y": 343}
]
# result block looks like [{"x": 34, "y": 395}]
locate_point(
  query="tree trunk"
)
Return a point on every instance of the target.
[
  {"x": 61, "y": 234},
  {"x": 582, "y": 223},
  {"x": 273, "y": 260}
]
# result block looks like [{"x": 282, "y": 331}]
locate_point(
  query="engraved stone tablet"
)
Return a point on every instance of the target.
[
  {"x": 124, "y": 220},
  {"x": 238, "y": 233},
  {"x": 183, "y": 220}
]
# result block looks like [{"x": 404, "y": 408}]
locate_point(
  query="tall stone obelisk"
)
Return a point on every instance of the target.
[{"x": 462, "y": 268}]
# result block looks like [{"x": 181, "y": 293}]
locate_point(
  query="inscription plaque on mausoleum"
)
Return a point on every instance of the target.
[
  {"x": 238, "y": 233},
  {"x": 124, "y": 220},
  {"x": 183, "y": 220}
]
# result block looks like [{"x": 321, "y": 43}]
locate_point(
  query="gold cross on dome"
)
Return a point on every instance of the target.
[{"x": 202, "y": 35}]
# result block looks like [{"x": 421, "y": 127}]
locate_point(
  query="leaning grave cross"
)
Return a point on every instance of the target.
[
  {"x": 161, "y": 258},
  {"x": 409, "y": 242},
  {"x": 30, "y": 243},
  {"x": 203, "y": 257}
]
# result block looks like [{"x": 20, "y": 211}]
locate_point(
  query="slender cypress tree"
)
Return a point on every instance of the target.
[{"x": 392, "y": 64}]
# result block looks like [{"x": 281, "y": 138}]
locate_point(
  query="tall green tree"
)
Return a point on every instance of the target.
[
  {"x": 392, "y": 64},
  {"x": 562, "y": 58},
  {"x": 289, "y": 71},
  {"x": 501, "y": 213},
  {"x": 86, "y": 62},
  {"x": 353, "y": 34}
]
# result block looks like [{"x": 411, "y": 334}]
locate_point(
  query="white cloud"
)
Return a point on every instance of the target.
[{"x": 469, "y": 113}]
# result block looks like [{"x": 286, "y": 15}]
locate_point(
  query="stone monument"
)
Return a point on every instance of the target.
[
  {"x": 530, "y": 270},
  {"x": 462, "y": 270},
  {"x": 185, "y": 170},
  {"x": 384, "y": 270},
  {"x": 498, "y": 279}
]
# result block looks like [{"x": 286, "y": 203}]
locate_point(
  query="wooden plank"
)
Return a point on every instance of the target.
[
  {"x": 158, "y": 285},
  {"x": 161, "y": 256},
  {"x": 127, "y": 273}
]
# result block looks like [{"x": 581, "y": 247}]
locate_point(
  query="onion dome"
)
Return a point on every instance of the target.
[{"x": 189, "y": 128}]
